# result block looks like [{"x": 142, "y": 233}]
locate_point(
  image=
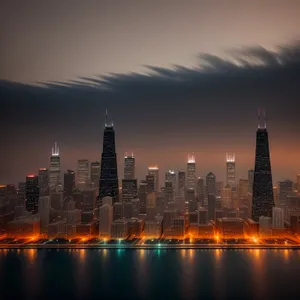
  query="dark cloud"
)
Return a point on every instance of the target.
[{"x": 208, "y": 106}]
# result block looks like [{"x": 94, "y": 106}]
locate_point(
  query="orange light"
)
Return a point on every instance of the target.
[{"x": 30, "y": 175}]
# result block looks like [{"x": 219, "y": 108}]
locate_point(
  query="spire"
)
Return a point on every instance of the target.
[{"x": 55, "y": 150}]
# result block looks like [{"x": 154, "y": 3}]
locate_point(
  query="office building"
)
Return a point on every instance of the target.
[
  {"x": 69, "y": 183},
  {"x": 129, "y": 189},
  {"x": 181, "y": 184},
  {"x": 230, "y": 169},
  {"x": 82, "y": 172},
  {"x": 171, "y": 177},
  {"x": 263, "y": 200},
  {"x": 211, "y": 183},
  {"x": 129, "y": 166},
  {"x": 43, "y": 182},
  {"x": 119, "y": 229},
  {"x": 109, "y": 184},
  {"x": 168, "y": 193},
  {"x": 54, "y": 169},
  {"x": 44, "y": 209},
  {"x": 32, "y": 193},
  {"x": 285, "y": 189},
  {"x": 154, "y": 171},
  {"x": 277, "y": 218},
  {"x": 243, "y": 191},
  {"x": 200, "y": 190},
  {"x": 211, "y": 206},
  {"x": 105, "y": 220},
  {"x": 265, "y": 226},
  {"x": 191, "y": 172},
  {"x": 95, "y": 174}
]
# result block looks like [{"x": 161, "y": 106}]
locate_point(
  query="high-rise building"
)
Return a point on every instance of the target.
[
  {"x": 285, "y": 189},
  {"x": 69, "y": 183},
  {"x": 150, "y": 180},
  {"x": 168, "y": 193},
  {"x": 191, "y": 172},
  {"x": 211, "y": 206},
  {"x": 54, "y": 169},
  {"x": 82, "y": 172},
  {"x": 129, "y": 167},
  {"x": 230, "y": 169},
  {"x": 109, "y": 184},
  {"x": 171, "y": 176},
  {"x": 181, "y": 184},
  {"x": 44, "y": 209},
  {"x": 154, "y": 170},
  {"x": 227, "y": 197},
  {"x": 32, "y": 193},
  {"x": 44, "y": 182},
  {"x": 211, "y": 183},
  {"x": 243, "y": 189},
  {"x": 200, "y": 190},
  {"x": 105, "y": 220},
  {"x": 143, "y": 191},
  {"x": 263, "y": 200},
  {"x": 278, "y": 218},
  {"x": 129, "y": 189},
  {"x": 95, "y": 173}
]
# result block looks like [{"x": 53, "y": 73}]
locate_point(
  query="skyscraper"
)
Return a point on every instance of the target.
[
  {"x": 211, "y": 183},
  {"x": 129, "y": 189},
  {"x": 200, "y": 190},
  {"x": 285, "y": 189},
  {"x": 181, "y": 184},
  {"x": 154, "y": 170},
  {"x": 230, "y": 169},
  {"x": 69, "y": 183},
  {"x": 109, "y": 184},
  {"x": 129, "y": 167},
  {"x": 82, "y": 172},
  {"x": 171, "y": 176},
  {"x": 263, "y": 200},
  {"x": 54, "y": 169},
  {"x": 191, "y": 170},
  {"x": 44, "y": 182},
  {"x": 32, "y": 193},
  {"x": 95, "y": 173}
]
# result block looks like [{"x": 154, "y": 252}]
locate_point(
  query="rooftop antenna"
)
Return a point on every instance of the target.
[{"x": 106, "y": 113}]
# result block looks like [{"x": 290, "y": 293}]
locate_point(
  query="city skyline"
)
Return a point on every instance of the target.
[{"x": 142, "y": 170}]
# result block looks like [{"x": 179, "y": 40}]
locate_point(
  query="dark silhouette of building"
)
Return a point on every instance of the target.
[
  {"x": 69, "y": 183},
  {"x": 263, "y": 200},
  {"x": 108, "y": 184},
  {"x": 32, "y": 193}
]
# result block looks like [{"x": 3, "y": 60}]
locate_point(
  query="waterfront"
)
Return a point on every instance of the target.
[{"x": 149, "y": 274}]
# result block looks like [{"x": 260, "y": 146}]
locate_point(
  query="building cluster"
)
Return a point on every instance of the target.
[{"x": 90, "y": 202}]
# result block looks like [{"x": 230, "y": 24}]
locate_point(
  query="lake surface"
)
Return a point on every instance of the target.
[{"x": 149, "y": 274}]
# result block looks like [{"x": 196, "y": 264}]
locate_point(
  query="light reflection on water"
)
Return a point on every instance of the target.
[{"x": 150, "y": 274}]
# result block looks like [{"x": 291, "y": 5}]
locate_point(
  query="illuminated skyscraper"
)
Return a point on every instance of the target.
[
  {"x": 171, "y": 176},
  {"x": 230, "y": 169},
  {"x": 82, "y": 172},
  {"x": 154, "y": 170},
  {"x": 109, "y": 184},
  {"x": 54, "y": 169},
  {"x": 263, "y": 200},
  {"x": 32, "y": 193},
  {"x": 191, "y": 172},
  {"x": 129, "y": 167},
  {"x": 181, "y": 183},
  {"x": 44, "y": 182},
  {"x": 95, "y": 173}
]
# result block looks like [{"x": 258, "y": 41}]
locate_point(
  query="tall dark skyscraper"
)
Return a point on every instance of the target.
[
  {"x": 108, "y": 184},
  {"x": 263, "y": 200},
  {"x": 69, "y": 183},
  {"x": 32, "y": 193}
]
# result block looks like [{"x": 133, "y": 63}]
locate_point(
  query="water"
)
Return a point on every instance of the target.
[{"x": 149, "y": 274}]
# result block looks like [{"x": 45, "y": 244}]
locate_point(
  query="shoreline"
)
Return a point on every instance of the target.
[{"x": 152, "y": 247}]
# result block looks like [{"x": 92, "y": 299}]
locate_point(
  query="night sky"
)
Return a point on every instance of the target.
[{"x": 176, "y": 76}]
